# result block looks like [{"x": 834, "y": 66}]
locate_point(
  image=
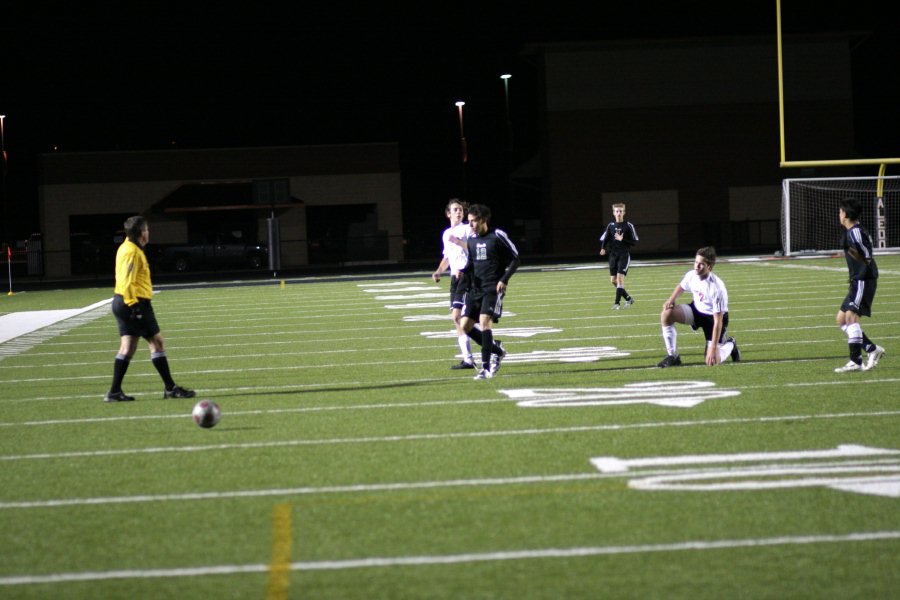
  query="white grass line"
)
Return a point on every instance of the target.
[
  {"x": 362, "y": 385},
  {"x": 267, "y": 411},
  {"x": 453, "y": 559},
  {"x": 417, "y": 437}
]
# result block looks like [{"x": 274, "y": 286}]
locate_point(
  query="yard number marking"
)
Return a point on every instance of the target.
[
  {"x": 852, "y": 468},
  {"x": 679, "y": 394}
]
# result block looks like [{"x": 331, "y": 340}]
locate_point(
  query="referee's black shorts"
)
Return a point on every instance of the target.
[{"x": 145, "y": 327}]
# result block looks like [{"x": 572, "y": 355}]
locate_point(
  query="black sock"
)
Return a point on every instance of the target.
[
  {"x": 856, "y": 353},
  {"x": 868, "y": 344},
  {"x": 476, "y": 335},
  {"x": 486, "y": 347},
  {"x": 161, "y": 363},
  {"x": 625, "y": 295},
  {"x": 618, "y": 294},
  {"x": 119, "y": 369}
]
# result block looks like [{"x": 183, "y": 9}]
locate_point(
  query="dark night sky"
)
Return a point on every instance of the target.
[{"x": 78, "y": 78}]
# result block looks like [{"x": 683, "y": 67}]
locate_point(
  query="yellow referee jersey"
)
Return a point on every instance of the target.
[{"x": 132, "y": 273}]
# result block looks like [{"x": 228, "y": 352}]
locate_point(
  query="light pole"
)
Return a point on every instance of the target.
[
  {"x": 509, "y": 140},
  {"x": 509, "y": 137},
  {"x": 462, "y": 145},
  {"x": 3, "y": 172}
]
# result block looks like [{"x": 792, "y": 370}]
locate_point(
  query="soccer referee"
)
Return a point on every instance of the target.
[{"x": 134, "y": 313}]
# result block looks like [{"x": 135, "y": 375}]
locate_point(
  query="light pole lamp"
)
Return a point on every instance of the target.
[
  {"x": 462, "y": 145},
  {"x": 506, "y": 77}
]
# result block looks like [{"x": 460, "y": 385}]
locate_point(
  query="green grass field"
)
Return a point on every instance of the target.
[{"x": 352, "y": 463}]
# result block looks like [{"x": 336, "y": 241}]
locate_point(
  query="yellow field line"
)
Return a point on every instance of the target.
[{"x": 282, "y": 541}]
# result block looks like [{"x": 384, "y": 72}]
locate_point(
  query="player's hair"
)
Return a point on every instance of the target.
[
  {"x": 850, "y": 206},
  {"x": 134, "y": 226},
  {"x": 709, "y": 254},
  {"x": 481, "y": 211},
  {"x": 453, "y": 201},
  {"x": 619, "y": 205}
]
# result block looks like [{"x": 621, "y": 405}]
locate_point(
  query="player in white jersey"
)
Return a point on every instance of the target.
[
  {"x": 708, "y": 310},
  {"x": 455, "y": 257}
]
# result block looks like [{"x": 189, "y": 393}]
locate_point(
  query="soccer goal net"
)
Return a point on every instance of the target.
[{"x": 810, "y": 212}]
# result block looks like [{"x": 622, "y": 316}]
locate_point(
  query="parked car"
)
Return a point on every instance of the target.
[{"x": 216, "y": 255}]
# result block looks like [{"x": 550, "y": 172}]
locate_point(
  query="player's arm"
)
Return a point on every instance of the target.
[
  {"x": 604, "y": 240},
  {"x": 857, "y": 255},
  {"x": 458, "y": 241},
  {"x": 676, "y": 293},
  {"x": 126, "y": 276},
  {"x": 632, "y": 234},
  {"x": 508, "y": 273},
  {"x": 436, "y": 276},
  {"x": 712, "y": 348}
]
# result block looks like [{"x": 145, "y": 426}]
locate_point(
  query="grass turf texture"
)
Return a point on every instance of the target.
[{"x": 408, "y": 480}]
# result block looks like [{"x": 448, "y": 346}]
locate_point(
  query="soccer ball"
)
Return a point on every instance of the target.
[{"x": 206, "y": 413}]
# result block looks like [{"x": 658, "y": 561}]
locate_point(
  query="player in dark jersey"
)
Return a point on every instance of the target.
[
  {"x": 857, "y": 245},
  {"x": 619, "y": 236},
  {"x": 493, "y": 259}
]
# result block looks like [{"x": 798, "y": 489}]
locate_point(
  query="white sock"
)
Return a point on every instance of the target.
[
  {"x": 854, "y": 333},
  {"x": 725, "y": 350},
  {"x": 466, "y": 347},
  {"x": 670, "y": 337}
]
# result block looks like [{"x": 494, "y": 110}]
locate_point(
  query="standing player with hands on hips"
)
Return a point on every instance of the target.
[
  {"x": 493, "y": 259},
  {"x": 619, "y": 237},
  {"x": 454, "y": 251},
  {"x": 708, "y": 311},
  {"x": 857, "y": 245}
]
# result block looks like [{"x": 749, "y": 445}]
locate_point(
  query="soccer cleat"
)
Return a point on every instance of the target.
[
  {"x": 616, "y": 306},
  {"x": 850, "y": 366},
  {"x": 179, "y": 392},
  {"x": 496, "y": 359},
  {"x": 483, "y": 374},
  {"x": 629, "y": 302},
  {"x": 463, "y": 365},
  {"x": 735, "y": 353},
  {"x": 873, "y": 358},
  {"x": 117, "y": 397},
  {"x": 671, "y": 360}
]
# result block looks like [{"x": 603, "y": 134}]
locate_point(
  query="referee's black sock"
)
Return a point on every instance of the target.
[
  {"x": 625, "y": 295},
  {"x": 619, "y": 294},
  {"x": 161, "y": 363},
  {"x": 120, "y": 366}
]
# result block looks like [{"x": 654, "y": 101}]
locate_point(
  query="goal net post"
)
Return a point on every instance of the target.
[{"x": 810, "y": 212}]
